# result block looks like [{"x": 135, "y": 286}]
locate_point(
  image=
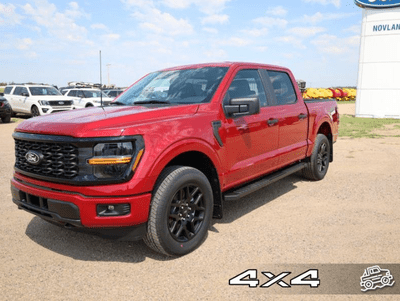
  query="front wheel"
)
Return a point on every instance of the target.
[
  {"x": 35, "y": 111},
  {"x": 317, "y": 168},
  {"x": 181, "y": 211}
]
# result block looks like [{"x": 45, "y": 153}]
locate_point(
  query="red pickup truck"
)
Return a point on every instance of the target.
[{"x": 161, "y": 160}]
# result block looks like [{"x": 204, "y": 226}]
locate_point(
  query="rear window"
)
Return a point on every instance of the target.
[{"x": 283, "y": 87}]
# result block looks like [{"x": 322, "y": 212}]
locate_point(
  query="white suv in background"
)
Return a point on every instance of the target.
[
  {"x": 86, "y": 97},
  {"x": 36, "y": 99}
]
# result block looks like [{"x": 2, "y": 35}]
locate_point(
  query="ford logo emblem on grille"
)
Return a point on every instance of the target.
[
  {"x": 377, "y": 3},
  {"x": 34, "y": 157}
]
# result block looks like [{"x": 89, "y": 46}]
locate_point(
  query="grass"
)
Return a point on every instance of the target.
[
  {"x": 346, "y": 102},
  {"x": 353, "y": 127}
]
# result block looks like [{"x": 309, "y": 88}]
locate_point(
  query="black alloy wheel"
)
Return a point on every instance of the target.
[{"x": 187, "y": 213}]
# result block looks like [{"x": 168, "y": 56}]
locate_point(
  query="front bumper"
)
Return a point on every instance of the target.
[{"x": 76, "y": 211}]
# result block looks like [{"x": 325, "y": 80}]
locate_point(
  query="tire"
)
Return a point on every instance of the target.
[
  {"x": 35, "y": 111},
  {"x": 13, "y": 114},
  {"x": 181, "y": 211},
  {"x": 89, "y": 105},
  {"x": 368, "y": 284},
  {"x": 6, "y": 119},
  {"x": 317, "y": 168}
]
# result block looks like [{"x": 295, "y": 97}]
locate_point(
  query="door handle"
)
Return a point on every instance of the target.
[
  {"x": 271, "y": 121},
  {"x": 302, "y": 116},
  {"x": 242, "y": 127}
]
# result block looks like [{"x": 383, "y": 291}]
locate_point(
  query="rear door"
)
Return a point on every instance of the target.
[
  {"x": 292, "y": 115},
  {"x": 251, "y": 142}
]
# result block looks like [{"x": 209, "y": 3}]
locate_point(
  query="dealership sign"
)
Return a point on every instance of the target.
[{"x": 377, "y": 3}]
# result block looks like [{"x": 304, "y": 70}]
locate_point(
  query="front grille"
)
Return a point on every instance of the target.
[
  {"x": 59, "y": 160},
  {"x": 58, "y": 103}
]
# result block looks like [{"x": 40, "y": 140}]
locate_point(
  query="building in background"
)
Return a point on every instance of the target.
[{"x": 378, "y": 87}]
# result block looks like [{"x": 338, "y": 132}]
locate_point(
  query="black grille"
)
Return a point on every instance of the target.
[
  {"x": 60, "y": 160},
  {"x": 57, "y": 103}
]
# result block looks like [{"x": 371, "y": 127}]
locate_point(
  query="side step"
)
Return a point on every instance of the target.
[{"x": 263, "y": 182}]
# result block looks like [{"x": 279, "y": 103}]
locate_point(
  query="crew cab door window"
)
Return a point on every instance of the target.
[
  {"x": 80, "y": 94},
  {"x": 282, "y": 87},
  {"x": 247, "y": 83}
]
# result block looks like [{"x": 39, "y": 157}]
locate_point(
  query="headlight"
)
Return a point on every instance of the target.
[
  {"x": 44, "y": 102},
  {"x": 111, "y": 160}
]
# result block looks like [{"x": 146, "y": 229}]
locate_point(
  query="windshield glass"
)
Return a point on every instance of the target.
[
  {"x": 94, "y": 93},
  {"x": 44, "y": 91},
  {"x": 189, "y": 86}
]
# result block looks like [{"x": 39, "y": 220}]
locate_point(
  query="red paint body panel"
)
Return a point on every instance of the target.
[{"x": 251, "y": 148}]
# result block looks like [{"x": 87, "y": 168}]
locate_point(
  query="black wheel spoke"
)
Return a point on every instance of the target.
[{"x": 186, "y": 212}]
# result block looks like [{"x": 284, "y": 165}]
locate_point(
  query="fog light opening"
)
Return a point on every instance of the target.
[{"x": 113, "y": 210}]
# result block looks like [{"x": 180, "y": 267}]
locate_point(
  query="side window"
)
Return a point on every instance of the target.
[
  {"x": 283, "y": 87},
  {"x": 247, "y": 83},
  {"x": 24, "y": 90},
  {"x": 72, "y": 93},
  {"x": 79, "y": 94},
  {"x": 17, "y": 91},
  {"x": 7, "y": 90}
]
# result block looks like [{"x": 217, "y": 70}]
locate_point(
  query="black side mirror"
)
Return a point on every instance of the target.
[
  {"x": 242, "y": 106},
  {"x": 24, "y": 94}
]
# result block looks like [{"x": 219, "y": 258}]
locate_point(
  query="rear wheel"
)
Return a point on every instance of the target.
[
  {"x": 180, "y": 212},
  {"x": 317, "y": 168},
  {"x": 35, "y": 111}
]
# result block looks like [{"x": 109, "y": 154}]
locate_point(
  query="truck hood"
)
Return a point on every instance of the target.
[{"x": 102, "y": 122}]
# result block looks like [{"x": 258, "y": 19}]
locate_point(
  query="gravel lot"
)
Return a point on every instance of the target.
[{"x": 351, "y": 216}]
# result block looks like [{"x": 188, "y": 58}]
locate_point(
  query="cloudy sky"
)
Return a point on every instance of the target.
[{"x": 59, "y": 41}]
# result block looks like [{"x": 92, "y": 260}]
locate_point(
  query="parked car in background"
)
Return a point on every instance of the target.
[
  {"x": 36, "y": 99},
  {"x": 113, "y": 92},
  {"x": 5, "y": 110},
  {"x": 87, "y": 97}
]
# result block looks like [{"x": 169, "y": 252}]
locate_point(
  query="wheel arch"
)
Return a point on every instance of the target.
[
  {"x": 196, "y": 154},
  {"x": 203, "y": 163},
  {"x": 325, "y": 129}
]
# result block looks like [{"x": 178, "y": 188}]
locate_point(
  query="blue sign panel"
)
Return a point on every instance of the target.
[{"x": 378, "y": 3}]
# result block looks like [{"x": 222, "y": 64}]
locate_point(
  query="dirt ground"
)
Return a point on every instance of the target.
[{"x": 350, "y": 217}]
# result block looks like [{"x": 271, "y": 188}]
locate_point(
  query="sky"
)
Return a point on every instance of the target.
[{"x": 56, "y": 42}]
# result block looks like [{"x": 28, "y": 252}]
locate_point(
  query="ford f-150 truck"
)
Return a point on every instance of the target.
[{"x": 162, "y": 159}]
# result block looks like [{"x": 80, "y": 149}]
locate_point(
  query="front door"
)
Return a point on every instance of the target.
[{"x": 251, "y": 142}]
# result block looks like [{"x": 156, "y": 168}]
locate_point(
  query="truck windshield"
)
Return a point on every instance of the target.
[
  {"x": 44, "y": 91},
  {"x": 187, "y": 86}
]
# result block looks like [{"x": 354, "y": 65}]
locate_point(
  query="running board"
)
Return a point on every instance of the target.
[{"x": 263, "y": 182}]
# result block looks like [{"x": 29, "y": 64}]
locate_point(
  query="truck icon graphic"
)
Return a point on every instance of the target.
[{"x": 375, "y": 277}]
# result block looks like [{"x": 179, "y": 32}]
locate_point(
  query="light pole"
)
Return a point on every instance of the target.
[{"x": 108, "y": 75}]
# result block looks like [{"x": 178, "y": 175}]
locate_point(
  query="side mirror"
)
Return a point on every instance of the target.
[
  {"x": 24, "y": 94},
  {"x": 242, "y": 106}
]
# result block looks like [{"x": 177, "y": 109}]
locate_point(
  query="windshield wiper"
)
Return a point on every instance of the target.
[
  {"x": 117, "y": 103},
  {"x": 151, "y": 101}
]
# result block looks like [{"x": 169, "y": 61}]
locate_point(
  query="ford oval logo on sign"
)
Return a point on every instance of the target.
[
  {"x": 34, "y": 157},
  {"x": 378, "y": 3}
]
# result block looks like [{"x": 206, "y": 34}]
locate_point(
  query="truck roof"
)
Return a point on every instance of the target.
[{"x": 225, "y": 64}]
